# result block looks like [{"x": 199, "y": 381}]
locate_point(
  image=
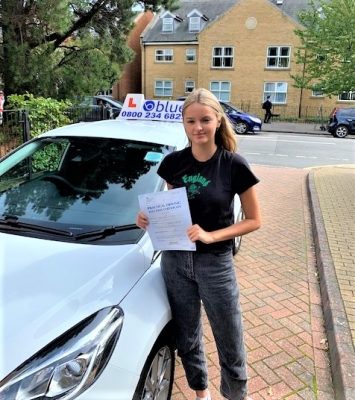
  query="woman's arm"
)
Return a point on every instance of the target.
[{"x": 250, "y": 223}]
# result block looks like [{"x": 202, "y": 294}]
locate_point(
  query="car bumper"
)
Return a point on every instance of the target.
[{"x": 331, "y": 127}]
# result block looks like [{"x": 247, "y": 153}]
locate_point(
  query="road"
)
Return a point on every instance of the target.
[{"x": 296, "y": 150}]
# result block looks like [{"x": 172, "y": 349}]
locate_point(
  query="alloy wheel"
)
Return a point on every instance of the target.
[{"x": 157, "y": 383}]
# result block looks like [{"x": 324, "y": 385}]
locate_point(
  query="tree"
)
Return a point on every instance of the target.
[
  {"x": 327, "y": 49},
  {"x": 62, "y": 48}
]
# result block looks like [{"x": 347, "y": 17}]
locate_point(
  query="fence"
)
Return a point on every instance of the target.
[
  {"x": 306, "y": 114},
  {"x": 15, "y": 125},
  {"x": 14, "y": 130}
]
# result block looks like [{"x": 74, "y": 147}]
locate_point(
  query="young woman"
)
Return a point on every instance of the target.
[{"x": 212, "y": 173}]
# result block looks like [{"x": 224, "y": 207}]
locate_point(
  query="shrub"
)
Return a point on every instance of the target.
[{"x": 44, "y": 113}]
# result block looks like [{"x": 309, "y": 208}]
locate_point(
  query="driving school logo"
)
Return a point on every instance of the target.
[
  {"x": 136, "y": 107},
  {"x": 162, "y": 106},
  {"x": 194, "y": 183}
]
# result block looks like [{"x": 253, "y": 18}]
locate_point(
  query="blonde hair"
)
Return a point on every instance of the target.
[{"x": 225, "y": 136}]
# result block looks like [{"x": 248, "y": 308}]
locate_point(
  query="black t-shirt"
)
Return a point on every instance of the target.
[{"x": 210, "y": 186}]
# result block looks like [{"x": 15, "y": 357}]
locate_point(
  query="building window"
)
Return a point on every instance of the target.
[
  {"x": 317, "y": 93},
  {"x": 163, "y": 88},
  {"x": 168, "y": 24},
  {"x": 190, "y": 55},
  {"x": 277, "y": 92},
  {"x": 221, "y": 89},
  {"x": 194, "y": 24},
  {"x": 164, "y": 55},
  {"x": 222, "y": 57},
  {"x": 278, "y": 57},
  {"x": 189, "y": 86},
  {"x": 350, "y": 96}
]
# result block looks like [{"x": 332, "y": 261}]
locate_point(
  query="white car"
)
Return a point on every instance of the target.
[{"x": 83, "y": 308}]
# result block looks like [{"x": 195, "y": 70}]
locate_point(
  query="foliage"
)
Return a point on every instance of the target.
[
  {"x": 44, "y": 113},
  {"x": 48, "y": 158},
  {"x": 327, "y": 47},
  {"x": 62, "y": 48}
]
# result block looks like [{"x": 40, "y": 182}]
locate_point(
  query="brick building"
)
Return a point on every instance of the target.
[
  {"x": 242, "y": 50},
  {"x": 130, "y": 81}
]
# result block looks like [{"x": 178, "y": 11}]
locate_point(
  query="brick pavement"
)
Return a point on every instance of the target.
[
  {"x": 280, "y": 296},
  {"x": 336, "y": 186},
  {"x": 332, "y": 195}
]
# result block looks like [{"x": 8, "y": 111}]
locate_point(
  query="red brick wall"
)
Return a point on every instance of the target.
[{"x": 131, "y": 80}]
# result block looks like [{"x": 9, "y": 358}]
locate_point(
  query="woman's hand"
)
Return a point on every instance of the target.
[
  {"x": 195, "y": 232},
  {"x": 142, "y": 220}
]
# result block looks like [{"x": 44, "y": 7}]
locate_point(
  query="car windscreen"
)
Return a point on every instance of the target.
[
  {"x": 229, "y": 108},
  {"x": 78, "y": 184}
]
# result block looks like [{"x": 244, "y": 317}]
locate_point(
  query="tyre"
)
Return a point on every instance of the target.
[
  {"x": 241, "y": 127},
  {"x": 157, "y": 377},
  {"x": 341, "y": 131}
]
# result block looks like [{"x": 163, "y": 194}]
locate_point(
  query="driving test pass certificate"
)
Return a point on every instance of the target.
[{"x": 169, "y": 218}]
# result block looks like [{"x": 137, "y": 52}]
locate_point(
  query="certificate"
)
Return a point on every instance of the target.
[{"x": 169, "y": 218}]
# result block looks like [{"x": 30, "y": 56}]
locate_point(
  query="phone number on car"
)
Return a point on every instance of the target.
[{"x": 151, "y": 115}]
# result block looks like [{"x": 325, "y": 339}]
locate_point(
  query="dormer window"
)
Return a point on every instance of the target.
[
  {"x": 168, "y": 24},
  {"x": 196, "y": 20},
  {"x": 194, "y": 24},
  {"x": 169, "y": 21}
]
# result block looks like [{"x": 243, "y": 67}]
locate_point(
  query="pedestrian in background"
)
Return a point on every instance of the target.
[
  {"x": 2, "y": 102},
  {"x": 212, "y": 173},
  {"x": 267, "y": 106}
]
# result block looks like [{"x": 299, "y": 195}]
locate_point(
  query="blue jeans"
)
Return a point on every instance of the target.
[{"x": 191, "y": 277}]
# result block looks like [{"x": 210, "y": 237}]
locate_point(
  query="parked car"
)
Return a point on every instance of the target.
[
  {"x": 342, "y": 122},
  {"x": 241, "y": 121},
  {"x": 84, "y": 311},
  {"x": 95, "y": 108}
]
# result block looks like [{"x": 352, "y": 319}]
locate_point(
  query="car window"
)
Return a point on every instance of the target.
[{"x": 80, "y": 181}]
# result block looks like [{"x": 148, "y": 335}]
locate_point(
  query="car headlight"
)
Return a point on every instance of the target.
[
  {"x": 256, "y": 120},
  {"x": 68, "y": 365}
]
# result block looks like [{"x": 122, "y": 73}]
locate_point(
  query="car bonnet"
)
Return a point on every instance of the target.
[{"x": 49, "y": 286}]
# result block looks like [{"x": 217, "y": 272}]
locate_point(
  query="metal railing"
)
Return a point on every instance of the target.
[
  {"x": 15, "y": 127},
  {"x": 14, "y": 130},
  {"x": 286, "y": 113}
]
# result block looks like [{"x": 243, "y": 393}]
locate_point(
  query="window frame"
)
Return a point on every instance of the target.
[
  {"x": 274, "y": 94},
  {"x": 163, "y": 87},
  {"x": 191, "y": 86},
  {"x": 197, "y": 23},
  {"x": 194, "y": 55},
  {"x": 222, "y": 57},
  {"x": 164, "y": 55},
  {"x": 219, "y": 93},
  {"x": 166, "y": 24},
  {"x": 317, "y": 93},
  {"x": 278, "y": 57},
  {"x": 350, "y": 93}
]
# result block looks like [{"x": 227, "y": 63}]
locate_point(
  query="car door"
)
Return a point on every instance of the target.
[{"x": 351, "y": 119}]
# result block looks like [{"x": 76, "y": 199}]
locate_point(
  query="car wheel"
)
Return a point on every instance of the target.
[
  {"x": 341, "y": 131},
  {"x": 241, "y": 127},
  {"x": 238, "y": 239},
  {"x": 157, "y": 377}
]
